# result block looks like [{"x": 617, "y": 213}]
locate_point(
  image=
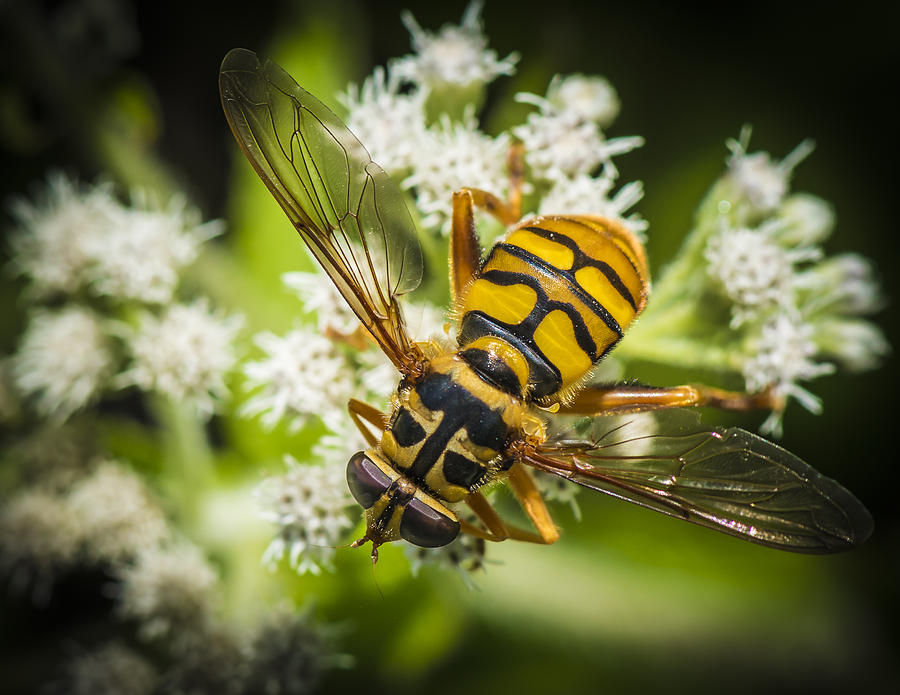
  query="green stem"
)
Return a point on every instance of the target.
[
  {"x": 662, "y": 321},
  {"x": 682, "y": 271},
  {"x": 187, "y": 460},
  {"x": 684, "y": 353}
]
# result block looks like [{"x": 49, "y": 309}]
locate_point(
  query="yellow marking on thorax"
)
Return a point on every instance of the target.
[
  {"x": 435, "y": 480},
  {"x": 403, "y": 457}
]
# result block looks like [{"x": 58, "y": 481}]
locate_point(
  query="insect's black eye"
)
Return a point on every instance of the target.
[
  {"x": 366, "y": 480},
  {"x": 427, "y": 527}
]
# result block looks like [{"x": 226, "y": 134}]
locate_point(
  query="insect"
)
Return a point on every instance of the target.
[{"x": 535, "y": 315}]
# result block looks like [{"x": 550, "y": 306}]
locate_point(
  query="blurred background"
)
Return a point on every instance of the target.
[{"x": 626, "y": 601}]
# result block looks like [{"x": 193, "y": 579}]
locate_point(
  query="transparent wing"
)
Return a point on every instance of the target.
[
  {"x": 348, "y": 211},
  {"x": 725, "y": 479}
]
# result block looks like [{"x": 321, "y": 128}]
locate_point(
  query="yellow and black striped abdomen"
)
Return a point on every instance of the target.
[{"x": 560, "y": 291}]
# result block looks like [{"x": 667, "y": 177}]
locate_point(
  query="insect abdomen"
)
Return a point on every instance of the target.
[{"x": 560, "y": 291}]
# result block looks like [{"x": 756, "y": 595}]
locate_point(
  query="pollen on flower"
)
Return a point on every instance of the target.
[
  {"x": 184, "y": 354},
  {"x": 52, "y": 241},
  {"x": 309, "y": 507},
  {"x": 455, "y": 55},
  {"x": 388, "y": 122},
  {"x": 64, "y": 360},
  {"x": 302, "y": 375},
  {"x": 453, "y": 155}
]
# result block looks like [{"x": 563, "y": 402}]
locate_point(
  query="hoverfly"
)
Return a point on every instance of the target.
[{"x": 534, "y": 316}]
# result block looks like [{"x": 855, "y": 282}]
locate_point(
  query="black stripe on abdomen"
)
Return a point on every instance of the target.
[{"x": 582, "y": 260}]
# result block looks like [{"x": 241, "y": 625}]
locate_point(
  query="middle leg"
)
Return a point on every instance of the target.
[{"x": 533, "y": 505}]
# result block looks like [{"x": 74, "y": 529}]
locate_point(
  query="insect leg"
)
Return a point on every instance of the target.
[
  {"x": 530, "y": 499},
  {"x": 506, "y": 212},
  {"x": 633, "y": 398},
  {"x": 465, "y": 249},
  {"x": 497, "y": 530},
  {"x": 360, "y": 411}
]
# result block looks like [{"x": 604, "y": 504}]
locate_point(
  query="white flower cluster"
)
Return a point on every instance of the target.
[
  {"x": 301, "y": 376},
  {"x": 309, "y": 506},
  {"x": 452, "y": 155},
  {"x": 64, "y": 359},
  {"x": 115, "y": 513},
  {"x": 389, "y": 122},
  {"x": 101, "y": 516},
  {"x": 169, "y": 591},
  {"x": 307, "y": 374},
  {"x": 796, "y": 310},
  {"x": 456, "y": 56},
  {"x": 104, "y": 260},
  {"x": 418, "y": 119},
  {"x": 76, "y": 237},
  {"x": 565, "y": 146},
  {"x": 755, "y": 272},
  {"x": 183, "y": 353},
  {"x": 110, "y": 668},
  {"x": 289, "y": 653}
]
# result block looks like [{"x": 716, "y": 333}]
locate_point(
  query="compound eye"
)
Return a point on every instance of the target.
[
  {"x": 366, "y": 480},
  {"x": 427, "y": 527}
]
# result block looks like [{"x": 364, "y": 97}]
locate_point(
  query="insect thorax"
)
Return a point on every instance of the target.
[
  {"x": 558, "y": 292},
  {"x": 446, "y": 437}
]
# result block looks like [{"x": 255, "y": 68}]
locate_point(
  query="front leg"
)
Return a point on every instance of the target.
[{"x": 360, "y": 412}]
